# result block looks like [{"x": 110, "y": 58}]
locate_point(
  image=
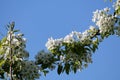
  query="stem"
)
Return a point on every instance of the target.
[{"x": 11, "y": 78}]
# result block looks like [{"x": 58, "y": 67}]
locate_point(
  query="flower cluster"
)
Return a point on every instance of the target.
[
  {"x": 15, "y": 42},
  {"x": 117, "y": 5},
  {"x": 73, "y": 49},
  {"x": 52, "y": 44},
  {"x": 74, "y": 36},
  {"x": 29, "y": 70},
  {"x": 16, "y": 39},
  {"x": 104, "y": 21},
  {"x": 12, "y": 51}
]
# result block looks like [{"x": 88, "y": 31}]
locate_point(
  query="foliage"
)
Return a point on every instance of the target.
[{"x": 71, "y": 53}]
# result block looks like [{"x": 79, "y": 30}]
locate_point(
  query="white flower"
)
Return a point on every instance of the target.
[
  {"x": 69, "y": 39},
  {"x": 24, "y": 39},
  {"x": 52, "y": 44},
  {"x": 92, "y": 28},
  {"x": 85, "y": 35},
  {"x": 74, "y": 36},
  {"x": 62, "y": 58},
  {"x": 93, "y": 31},
  {"x": 106, "y": 9},
  {"x": 116, "y": 5},
  {"x": 10, "y": 35},
  {"x": 77, "y": 35},
  {"x": 95, "y": 16},
  {"x": 20, "y": 35},
  {"x": 103, "y": 20},
  {"x": 15, "y": 42}
]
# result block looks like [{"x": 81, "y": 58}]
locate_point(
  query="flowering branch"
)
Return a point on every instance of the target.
[
  {"x": 71, "y": 53},
  {"x": 75, "y": 50}
]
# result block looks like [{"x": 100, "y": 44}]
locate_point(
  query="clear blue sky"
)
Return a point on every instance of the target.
[{"x": 41, "y": 19}]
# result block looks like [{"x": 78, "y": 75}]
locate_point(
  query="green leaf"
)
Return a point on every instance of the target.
[
  {"x": 88, "y": 49},
  {"x": 85, "y": 65},
  {"x": 16, "y": 30},
  {"x": 94, "y": 47},
  {"x": 60, "y": 68},
  {"x": 2, "y": 51},
  {"x": 3, "y": 40},
  {"x": 77, "y": 62},
  {"x": 2, "y": 75},
  {"x": 118, "y": 11},
  {"x": 2, "y": 62},
  {"x": 75, "y": 69},
  {"x": 67, "y": 68},
  {"x": 45, "y": 72},
  {"x": 109, "y": 0},
  {"x": 102, "y": 36}
]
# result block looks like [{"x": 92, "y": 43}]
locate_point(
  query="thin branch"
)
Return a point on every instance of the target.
[{"x": 11, "y": 78}]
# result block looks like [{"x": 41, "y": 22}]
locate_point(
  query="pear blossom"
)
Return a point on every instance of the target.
[
  {"x": 74, "y": 36},
  {"x": 19, "y": 34},
  {"x": 92, "y": 28},
  {"x": 52, "y": 44},
  {"x": 103, "y": 20},
  {"x": 62, "y": 58},
  {"x": 18, "y": 46},
  {"x": 106, "y": 9},
  {"x": 68, "y": 39},
  {"x": 116, "y": 5},
  {"x": 24, "y": 39}
]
